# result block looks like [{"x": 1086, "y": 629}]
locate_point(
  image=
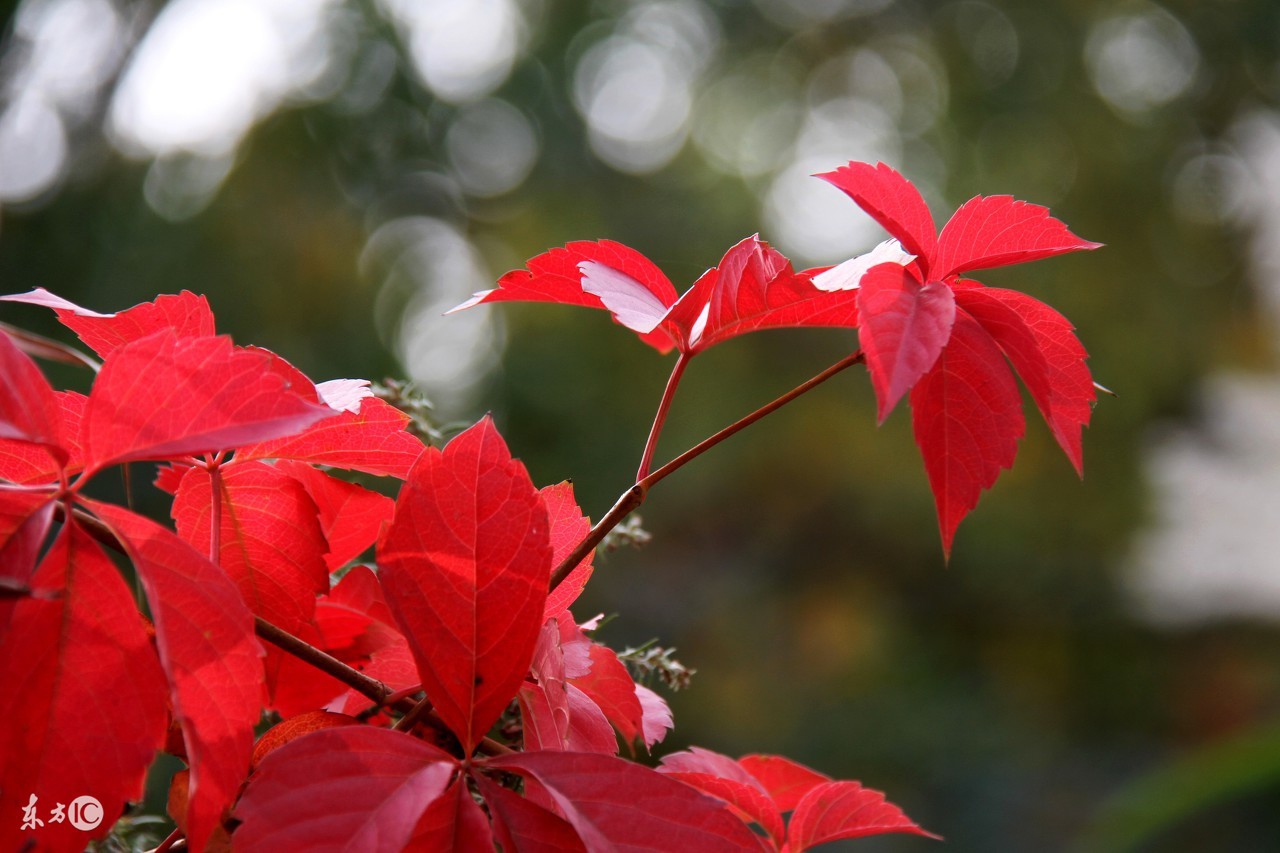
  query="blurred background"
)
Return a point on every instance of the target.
[{"x": 1098, "y": 668}]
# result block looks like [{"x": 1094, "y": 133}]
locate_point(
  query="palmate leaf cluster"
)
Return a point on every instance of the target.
[{"x": 392, "y": 681}]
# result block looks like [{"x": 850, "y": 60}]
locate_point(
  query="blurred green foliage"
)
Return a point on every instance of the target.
[{"x": 1002, "y": 700}]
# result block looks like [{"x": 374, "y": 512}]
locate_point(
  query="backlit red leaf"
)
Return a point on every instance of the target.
[
  {"x": 465, "y": 567},
  {"x": 786, "y": 781},
  {"x": 270, "y": 540},
  {"x": 836, "y": 810},
  {"x": 611, "y": 687},
  {"x": 905, "y": 326},
  {"x": 81, "y": 695},
  {"x": 342, "y": 789},
  {"x": 294, "y": 728},
  {"x": 568, "y": 527},
  {"x": 24, "y": 462},
  {"x": 994, "y": 231},
  {"x": 28, "y": 409},
  {"x": 185, "y": 313},
  {"x": 351, "y": 516},
  {"x": 1047, "y": 355},
  {"x": 605, "y": 275},
  {"x": 372, "y": 440},
  {"x": 754, "y": 287},
  {"x": 967, "y": 417},
  {"x": 891, "y": 200},
  {"x": 209, "y": 653},
  {"x": 617, "y": 804},
  {"x": 722, "y": 777},
  {"x": 165, "y": 396}
]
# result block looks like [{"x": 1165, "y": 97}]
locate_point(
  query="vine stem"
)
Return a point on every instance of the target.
[
  {"x": 634, "y": 496},
  {"x": 660, "y": 418}
]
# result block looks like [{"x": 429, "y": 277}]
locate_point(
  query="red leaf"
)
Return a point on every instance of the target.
[
  {"x": 655, "y": 716},
  {"x": 568, "y": 527},
  {"x": 343, "y": 788},
  {"x": 582, "y": 727},
  {"x": 786, "y": 781},
  {"x": 1045, "y": 352},
  {"x": 754, "y": 287},
  {"x": 294, "y": 686},
  {"x": 186, "y": 314},
  {"x": 359, "y": 592},
  {"x": 209, "y": 653},
  {"x": 617, "y": 804},
  {"x": 81, "y": 695},
  {"x": 967, "y": 416},
  {"x": 163, "y": 396},
  {"x": 835, "y": 810},
  {"x": 616, "y": 278},
  {"x": 372, "y": 440},
  {"x": 294, "y": 728},
  {"x": 892, "y": 201},
  {"x": 28, "y": 409},
  {"x": 25, "y": 518},
  {"x": 351, "y": 516},
  {"x": 27, "y": 463},
  {"x": 994, "y": 231},
  {"x": 270, "y": 539},
  {"x": 725, "y": 779},
  {"x": 454, "y": 822},
  {"x": 611, "y": 687},
  {"x": 904, "y": 328},
  {"x": 525, "y": 827},
  {"x": 464, "y": 567}
]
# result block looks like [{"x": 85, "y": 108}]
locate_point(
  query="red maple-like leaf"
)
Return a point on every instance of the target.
[
  {"x": 162, "y": 397},
  {"x": 725, "y": 779},
  {"x": 209, "y": 653},
  {"x": 78, "y": 646},
  {"x": 351, "y": 516},
  {"x": 835, "y": 810},
  {"x": 25, "y": 519},
  {"x": 615, "y": 804},
  {"x": 269, "y": 542},
  {"x": 786, "y": 781},
  {"x": 371, "y": 439},
  {"x": 185, "y": 313},
  {"x": 568, "y": 527},
  {"x": 753, "y": 287},
  {"x": 917, "y": 314},
  {"x": 342, "y": 788},
  {"x": 612, "y": 688},
  {"x": 29, "y": 410},
  {"x": 465, "y": 567}
]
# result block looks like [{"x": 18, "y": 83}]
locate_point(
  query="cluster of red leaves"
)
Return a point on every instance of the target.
[
  {"x": 459, "y": 608},
  {"x": 923, "y": 329}
]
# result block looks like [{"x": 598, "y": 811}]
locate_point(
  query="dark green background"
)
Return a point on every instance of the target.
[{"x": 1010, "y": 700}]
